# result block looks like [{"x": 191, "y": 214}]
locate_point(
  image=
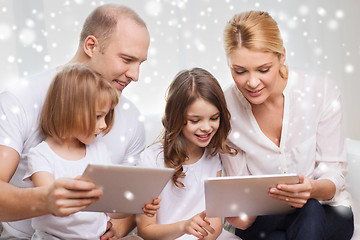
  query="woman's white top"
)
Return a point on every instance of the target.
[
  {"x": 312, "y": 141},
  {"x": 81, "y": 225},
  {"x": 178, "y": 204}
]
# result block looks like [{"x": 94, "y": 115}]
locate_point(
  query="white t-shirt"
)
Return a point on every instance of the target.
[
  {"x": 181, "y": 204},
  {"x": 312, "y": 141},
  {"x": 81, "y": 225},
  {"x": 20, "y": 108}
]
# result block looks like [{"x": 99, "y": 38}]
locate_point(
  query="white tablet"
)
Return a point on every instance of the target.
[
  {"x": 245, "y": 195},
  {"x": 126, "y": 189}
]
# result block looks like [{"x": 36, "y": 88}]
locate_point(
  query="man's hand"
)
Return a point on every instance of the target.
[{"x": 67, "y": 196}]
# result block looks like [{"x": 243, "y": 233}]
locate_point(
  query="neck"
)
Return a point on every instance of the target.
[
  {"x": 276, "y": 99},
  {"x": 80, "y": 57},
  {"x": 194, "y": 155},
  {"x": 70, "y": 149}
]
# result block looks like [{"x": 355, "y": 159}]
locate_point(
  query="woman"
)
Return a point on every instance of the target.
[{"x": 285, "y": 123}]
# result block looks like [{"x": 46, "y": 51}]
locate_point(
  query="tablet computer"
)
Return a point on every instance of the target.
[
  {"x": 245, "y": 195},
  {"x": 126, "y": 189}
]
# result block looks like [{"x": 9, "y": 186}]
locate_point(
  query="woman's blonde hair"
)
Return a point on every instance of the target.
[
  {"x": 70, "y": 106},
  {"x": 254, "y": 30}
]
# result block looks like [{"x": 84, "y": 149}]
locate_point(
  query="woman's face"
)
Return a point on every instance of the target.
[{"x": 256, "y": 73}]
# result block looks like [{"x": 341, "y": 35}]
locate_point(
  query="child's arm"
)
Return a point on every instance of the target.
[
  {"x": 198, "y": 226},
  {"x": 42, "y": 178}
]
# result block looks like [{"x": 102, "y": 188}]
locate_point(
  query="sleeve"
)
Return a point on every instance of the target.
[
  {"x": 331, "y": 162},
  {"x": 37, "y": 162},
  {"x": 234, "y": 165},
  {"x": 12, "y": 123}
]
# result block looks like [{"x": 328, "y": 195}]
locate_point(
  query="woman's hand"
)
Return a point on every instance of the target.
[
  {"x": 198, "y": 226},
  {"x": 295, "y": 195}
]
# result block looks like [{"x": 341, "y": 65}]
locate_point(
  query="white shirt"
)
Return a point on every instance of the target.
[
  {"x": 182, "y": 204},
  {"x": 312, "y": 141},
  {"x": 81, "y": 225},
  {"x": 20, "y": 108}
]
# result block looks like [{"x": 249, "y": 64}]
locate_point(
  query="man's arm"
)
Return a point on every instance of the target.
[{"x": 62, "y": 198}]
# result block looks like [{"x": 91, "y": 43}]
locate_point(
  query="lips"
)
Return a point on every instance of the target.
[
  {"x": 119, "y": 85},
  {"x": 255, "y": 93},
  {"x": 203, "y": 137}
]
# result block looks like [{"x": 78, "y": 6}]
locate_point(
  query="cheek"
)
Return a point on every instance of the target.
[
  {"x": 239, "y": 80},
  {"x": 217, "y": 125}
]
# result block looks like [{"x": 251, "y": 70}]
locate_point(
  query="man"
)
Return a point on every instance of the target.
[{"x": 114, "y": 42}]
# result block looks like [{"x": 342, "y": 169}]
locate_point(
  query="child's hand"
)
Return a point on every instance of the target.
[
  {"x": 150, "y": 209},
  {"x": 242, "y": 223},
  {"x": 198, "y": 226}
]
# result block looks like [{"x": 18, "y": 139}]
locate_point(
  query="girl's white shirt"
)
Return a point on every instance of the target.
[
  {"x": 312, "y": 141},
  {"x": 81, "y": 225},
  {"x": 182, "y": 204}
]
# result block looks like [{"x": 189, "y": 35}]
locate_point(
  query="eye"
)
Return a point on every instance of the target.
[
  {"x": 127, "y": 60},
  {"x": 240, "y": 72},
  {"x": 214, "y": 118},
  {"x": 98, "y": 117},
  {"x": 194, "y": 121},
  {"x": 264, "y": 70}
]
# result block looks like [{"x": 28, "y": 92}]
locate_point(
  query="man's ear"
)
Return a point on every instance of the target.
[{"x": 90, "y": 45}]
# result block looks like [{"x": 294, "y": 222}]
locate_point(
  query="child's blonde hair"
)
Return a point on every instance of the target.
[{"x": 70, "y": 106}]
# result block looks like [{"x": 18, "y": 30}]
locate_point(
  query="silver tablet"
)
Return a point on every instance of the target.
[
  {"x": 126, "y": 188},
  {"x": 245, "y": 195}
]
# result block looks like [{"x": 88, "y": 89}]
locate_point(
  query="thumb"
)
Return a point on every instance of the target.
[
  {"x": 203, "y": 214},
  {"x": 301, "y": 178}
]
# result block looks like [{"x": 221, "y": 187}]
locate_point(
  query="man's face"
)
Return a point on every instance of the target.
[{"x": 119, "y": 60}]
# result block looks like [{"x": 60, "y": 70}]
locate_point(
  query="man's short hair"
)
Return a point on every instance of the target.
[{"x": 103, "y": 20}]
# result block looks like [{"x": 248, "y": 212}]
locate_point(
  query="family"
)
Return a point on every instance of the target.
[{"x": 271, "y": 120}]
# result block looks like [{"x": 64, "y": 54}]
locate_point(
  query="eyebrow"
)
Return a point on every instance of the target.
[
  {"x": 261, "y": 66},
  {"x": 132, "y": 57},
  {"x": 218, "y": 113}
]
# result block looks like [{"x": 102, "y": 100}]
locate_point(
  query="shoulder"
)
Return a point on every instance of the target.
[
  {"x": 31, "y": 85},
  {"x": 152, "y": 156},
  {"x": 317, "y": 83},
  {"x": 28, "y": 92},
  {"x": 125, "y": 105}
]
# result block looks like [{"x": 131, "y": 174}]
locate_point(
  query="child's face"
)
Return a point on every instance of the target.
[
  {"x": 101, "y": 113},
  {"x": 202, "y": 122}
]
